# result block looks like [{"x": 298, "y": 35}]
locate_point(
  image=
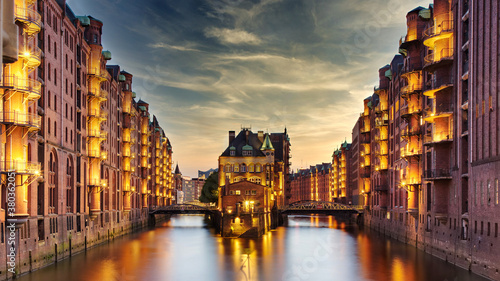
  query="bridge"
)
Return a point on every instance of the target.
[
  {"x": 319, "y": 207},
  {"x": 184, "y": 209}
]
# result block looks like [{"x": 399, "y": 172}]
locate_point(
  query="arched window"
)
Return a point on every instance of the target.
[
  {"x": 243, "y": 168},
  {"x": 251, "y": 168},
  {"x": 227, "y": 168},
  {"x": 258, "y": 168},
  {"x": 236, "y": 168}
]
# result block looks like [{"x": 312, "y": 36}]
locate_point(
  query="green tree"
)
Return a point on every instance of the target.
[{"x": 210, "y": 190}]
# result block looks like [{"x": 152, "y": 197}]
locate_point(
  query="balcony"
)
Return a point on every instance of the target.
[
  {"x": 20, "y": 167},
  {"x": 29, "y": 120},
  {"x": 410, "y": 89},
  {"x": 443, "y": 56},
  {"x": 98, "y": 154},
  {"x": 99, "y": 94},
  {"x": 438, "y": 111},
  {"x": 98, "y": 134},
  {"x": 438, "y": 84},
  {"x": 379, "y": 138},
  {"x": 31, "y": 20},
  {"x": 414, "y": 152},
  {"x": 28, "y": 86},
  {"x": 409, "y": 132},
  {"x": 438, "y": 138},
  {"x": 381, "y": 121},
  {"x": 437, "y": 32},
  {"x": 98, "y": 182},
  {"x": 32, "y": 57},
  {"x": 98, "y": 114},
  {"x": 407, "y": 111},
  {"x": 437, "y": 174},
  {"x": 98, "y": 73}
]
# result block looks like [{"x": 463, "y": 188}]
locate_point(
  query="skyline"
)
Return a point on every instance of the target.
[{"x": 204, "y": 66}]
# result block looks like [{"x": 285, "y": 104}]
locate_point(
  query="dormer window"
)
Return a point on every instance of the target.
[
  {"x": 247, "y": 153},
  {"x": 232, "y": 153}
]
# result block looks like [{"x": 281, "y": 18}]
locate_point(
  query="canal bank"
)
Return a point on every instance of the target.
[
  {"x": 61, "y": 243},
  {"x": 309, "y": 248}
]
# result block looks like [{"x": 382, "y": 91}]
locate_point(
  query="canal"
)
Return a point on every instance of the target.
[{"x": 309, "y": 248}]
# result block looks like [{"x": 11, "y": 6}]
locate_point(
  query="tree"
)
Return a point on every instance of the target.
[{"x": 210, "y": 190}]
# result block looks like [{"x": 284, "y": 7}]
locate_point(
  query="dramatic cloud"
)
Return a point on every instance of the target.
[{"x": 210, "y": 66}]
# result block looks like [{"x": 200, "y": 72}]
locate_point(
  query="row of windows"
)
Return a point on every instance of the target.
[
  {"x": 247, "y": 192},
  {"x": 486, "y": 193},
  {"x": 254, "y": 180},
  {"x": 243, "y": 168}
]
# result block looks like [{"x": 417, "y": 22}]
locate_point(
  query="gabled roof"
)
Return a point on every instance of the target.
[{"x": 241, "y": 141}]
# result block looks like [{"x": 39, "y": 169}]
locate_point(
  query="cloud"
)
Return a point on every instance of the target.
[
  {"x": 161, "y": 45},
  {"x": 233, "y": 36}
]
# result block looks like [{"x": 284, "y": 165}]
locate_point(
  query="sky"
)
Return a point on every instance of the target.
[{"x": 207, "y": 67}]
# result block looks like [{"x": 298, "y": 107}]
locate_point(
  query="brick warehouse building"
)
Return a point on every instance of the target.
[
  {"x": 89, "y": 159},
  {"x": 428, "y": 138},
  {"x": 311, "y": 184}
]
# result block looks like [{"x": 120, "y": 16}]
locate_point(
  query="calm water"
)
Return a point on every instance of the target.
[{"x": 310, "y": 248}]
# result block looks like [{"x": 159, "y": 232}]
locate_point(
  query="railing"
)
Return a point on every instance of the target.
[
  {"x": 30, "y": 17},
  {"x": 410, "y": 152},
  {"x": 437, "y": 173},
  {"x": 21, "y": 119},
  {"x": 32, "y": 56},
  {"x": 410, "y": 132},
  {"x": 22, "y": 84},
  {"x": 438, "y": 137},
  {"x": 437, "y": 110},
  {"x": 446, "y": 53},
  {"x": 98, "y": 93},
  {"x": 20, "y": 166},
  {"x": 98, "y": 72},
  {"x": 411, "y": 89},
  {"x": 381, "y": 121},
  {"x": 98, "y": 134},
  {"x": 98, "y": 182},
  {"x": 98, "y": 114},
  {"x": 435, "y": 30},
  {"x": 408, "y": 110}
]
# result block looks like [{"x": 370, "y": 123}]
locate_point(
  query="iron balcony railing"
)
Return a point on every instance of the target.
[
  {"x": 437, "y": 174},
  {"x": 27, "y": 85},
  {"x": 445, "y": 26},
  {"x": 31, "y": 19},
  {"x": 443, "y": 54},
  {"x": 21, "y": 119},
  {"x": 20, "y": 166}
]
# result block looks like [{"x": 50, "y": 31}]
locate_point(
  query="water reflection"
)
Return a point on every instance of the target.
[{"x": 310, "y": 248}]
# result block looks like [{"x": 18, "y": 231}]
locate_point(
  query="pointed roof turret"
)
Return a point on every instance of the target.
[
  {"x": 267, "y": 144},
  {"x": 177, "y": 171}
]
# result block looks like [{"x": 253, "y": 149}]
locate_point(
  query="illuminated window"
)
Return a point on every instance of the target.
[
  {"x": 496, "y": 192},
  {"x": 258, "y": 168},
  {"x": 237, "y": 192},
  {"x": 227, "y": 169},
  {"x": 236, "y": 168},
  {"x": 251, "y": 168}
]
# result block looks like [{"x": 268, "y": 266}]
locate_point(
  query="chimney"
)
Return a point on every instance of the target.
[
  {"x": 232, "y": 136},
  {"x": 260, "y": 134}
]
